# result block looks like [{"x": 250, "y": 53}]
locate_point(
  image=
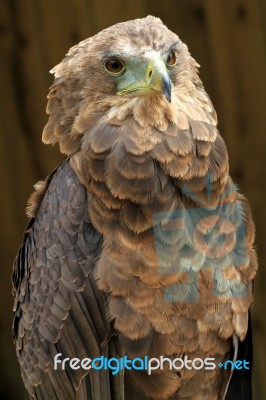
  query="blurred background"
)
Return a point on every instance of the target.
[{"x": 226, "y": 37}]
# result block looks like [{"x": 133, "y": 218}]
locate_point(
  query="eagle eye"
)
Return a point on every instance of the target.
[
  {"x": 114, "y": 66},
  {"x": 171, "y": 59}
]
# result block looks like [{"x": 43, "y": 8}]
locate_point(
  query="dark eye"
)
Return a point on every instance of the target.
[
  {"x": 114, "y": 66},
  {"x": 171, "y": 59}
]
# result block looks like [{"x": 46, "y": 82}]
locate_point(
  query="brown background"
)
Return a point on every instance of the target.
[{"x": 227, "y": 37}]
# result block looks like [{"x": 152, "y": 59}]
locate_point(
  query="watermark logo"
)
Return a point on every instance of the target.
[
  {"x": 206, "y": 237},
  {"x": 145, "y": 364},
  {"x": 238, "y": 364}
]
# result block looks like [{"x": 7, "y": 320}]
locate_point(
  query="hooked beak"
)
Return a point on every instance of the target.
[
  {"x": 161, "y": 82},
  {"x": 150, "y": 77}
]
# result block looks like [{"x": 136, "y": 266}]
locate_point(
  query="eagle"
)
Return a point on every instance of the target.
[{"x": 139, "y": 246}]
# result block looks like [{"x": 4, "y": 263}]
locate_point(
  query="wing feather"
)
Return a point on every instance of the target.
[{"x": 58, "y": 307}]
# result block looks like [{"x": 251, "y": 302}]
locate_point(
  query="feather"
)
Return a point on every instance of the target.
[{"x": 116, "y": 259}]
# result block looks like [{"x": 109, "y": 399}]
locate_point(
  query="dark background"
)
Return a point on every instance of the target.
[{"x": 227, "y": 37}]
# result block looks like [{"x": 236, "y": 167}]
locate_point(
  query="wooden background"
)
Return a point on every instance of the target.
[{"x": 227, "y": 37}]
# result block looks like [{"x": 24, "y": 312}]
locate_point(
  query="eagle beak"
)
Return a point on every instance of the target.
[
  {"x": 148, "y": 77},
  {"x": 158, "y": 79}
]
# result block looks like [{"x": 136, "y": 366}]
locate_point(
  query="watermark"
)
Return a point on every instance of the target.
[
  {"x": 206, "y": 237},
  {"x": 237, "y": 364},
  {"x": 145, "y": 364}
]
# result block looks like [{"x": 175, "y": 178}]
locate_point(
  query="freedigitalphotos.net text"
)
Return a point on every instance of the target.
[{"x": 145, "y": 363}]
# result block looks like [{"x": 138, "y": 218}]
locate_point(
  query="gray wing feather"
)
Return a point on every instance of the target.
[{"x": 58, "y": 308}]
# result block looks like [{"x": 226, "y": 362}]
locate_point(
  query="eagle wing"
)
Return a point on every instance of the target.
[
  {"x": 58, "y": 308},
  {"x": 239, "y": 384}
]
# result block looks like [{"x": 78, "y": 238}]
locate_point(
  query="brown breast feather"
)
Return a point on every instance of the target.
[{"x": 136, "y": 168}]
